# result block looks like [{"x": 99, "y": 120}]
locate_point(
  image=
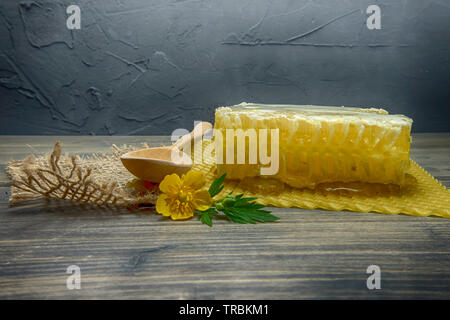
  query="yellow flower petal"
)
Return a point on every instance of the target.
[
  {"x": 202, "y": 200},
  {"x": 171, "y": 184},
  {"x": 188, "y": 213},
  {"x": 163, "y": 205},
  {"x": 193, "y": 179},
  {"x": 180, "y": 197}
]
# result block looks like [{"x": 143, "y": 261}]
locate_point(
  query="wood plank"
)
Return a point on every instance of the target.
[{"x": 306, "y": 254}]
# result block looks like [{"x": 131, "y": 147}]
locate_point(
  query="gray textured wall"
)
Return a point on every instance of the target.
[{"x": 147, "y": 67}]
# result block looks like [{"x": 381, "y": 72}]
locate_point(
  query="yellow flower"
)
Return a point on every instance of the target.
[{"x": 181, "y": 197}]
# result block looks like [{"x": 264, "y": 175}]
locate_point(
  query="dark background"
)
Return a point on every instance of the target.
[{"x": 141, "y": 67}]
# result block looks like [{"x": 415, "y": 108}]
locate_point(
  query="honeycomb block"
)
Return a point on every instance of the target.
[{"x": 315, "y": 144}]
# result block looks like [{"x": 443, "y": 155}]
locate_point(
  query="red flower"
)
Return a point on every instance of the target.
[{"x": 148, "y": 185}]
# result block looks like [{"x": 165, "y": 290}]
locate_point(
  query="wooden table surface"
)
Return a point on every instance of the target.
[{"x": 308, "y": 254}]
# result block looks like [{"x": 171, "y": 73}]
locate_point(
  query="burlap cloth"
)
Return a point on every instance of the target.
[
  {"x": 98, "y": 179},
  {"x": 101, "y": 180}
]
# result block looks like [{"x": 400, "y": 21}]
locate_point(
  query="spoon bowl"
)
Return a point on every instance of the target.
[{"x": 153, "y": 164}]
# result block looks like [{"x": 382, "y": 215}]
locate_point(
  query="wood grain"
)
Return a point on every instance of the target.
[{"x": 308, "y": 254}]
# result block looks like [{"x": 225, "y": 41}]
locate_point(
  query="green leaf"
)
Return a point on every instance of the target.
[
  {"x": 244, "y": 210},
  {"x": 236, "y": 219},
  {"x": 252, "y": 215},
  {"x": 206, "y": 219},
  {"x": 206, "y": 216},
  {"x": 209, "y": 211},
  {"x": 244, "y": 200},
  {"x": 236, "y": 208},
  {"x": 217, "y": 186}
]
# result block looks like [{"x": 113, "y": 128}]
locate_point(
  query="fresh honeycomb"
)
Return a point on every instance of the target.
[{"x": 318, "y": 145}]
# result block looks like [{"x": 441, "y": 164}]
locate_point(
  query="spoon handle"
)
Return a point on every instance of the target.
[{"x": 199, "y": 131}]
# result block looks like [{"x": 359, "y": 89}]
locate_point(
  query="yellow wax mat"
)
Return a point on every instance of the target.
[{"x": 423, "y": 196}]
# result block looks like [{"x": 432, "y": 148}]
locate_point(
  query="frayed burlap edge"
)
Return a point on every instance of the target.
[{"x": 95, "y": 179}]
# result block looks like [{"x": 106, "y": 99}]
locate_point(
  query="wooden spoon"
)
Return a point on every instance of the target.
[{"x": 153, "y": 164}]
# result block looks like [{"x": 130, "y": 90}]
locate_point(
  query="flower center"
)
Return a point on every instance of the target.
[{"x": 182, "y": 196}]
